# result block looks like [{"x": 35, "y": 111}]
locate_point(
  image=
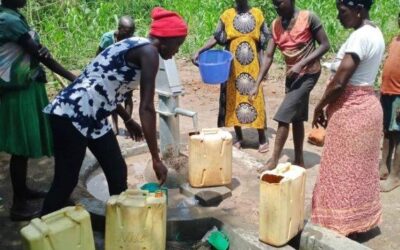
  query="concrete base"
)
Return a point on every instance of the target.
[
  {"x": 315, "y": 237},
  {"x": 207, "y": 197},
  {"x": 187, "y": 225},
  {"x": 184, "y": 221}
]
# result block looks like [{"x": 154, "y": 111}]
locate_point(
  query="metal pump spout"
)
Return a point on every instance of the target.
[{"x": 169, "y": 89}]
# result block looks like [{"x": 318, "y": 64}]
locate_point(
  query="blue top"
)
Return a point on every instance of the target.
[
  {"x": 104, "y": 83},
  {"x": 107, "y": 39}
]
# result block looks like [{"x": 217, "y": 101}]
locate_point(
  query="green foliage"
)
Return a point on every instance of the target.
[{"x": 72, "y": 28}]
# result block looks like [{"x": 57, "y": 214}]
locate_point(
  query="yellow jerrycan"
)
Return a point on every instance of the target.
[
  {"x": 282, "y": 194},
  {"x": 136, "y": 220},
  {"x": 210, "y": 158},
  {"x": 65, "y": 229}
]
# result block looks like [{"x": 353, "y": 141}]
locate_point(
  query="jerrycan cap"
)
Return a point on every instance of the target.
[{"x": 159, "y": 194}]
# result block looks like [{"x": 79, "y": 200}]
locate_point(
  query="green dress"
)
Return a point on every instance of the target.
[{"x": 24, "y": 128}]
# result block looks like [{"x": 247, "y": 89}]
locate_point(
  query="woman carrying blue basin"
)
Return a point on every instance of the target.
[{"x": 242, "y": 30}]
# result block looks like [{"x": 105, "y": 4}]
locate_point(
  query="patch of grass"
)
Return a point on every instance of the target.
[{"x": 71, "y": 28}]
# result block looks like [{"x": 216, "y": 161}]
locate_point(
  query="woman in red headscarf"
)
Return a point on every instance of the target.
[{"x": 78, "y": 115}]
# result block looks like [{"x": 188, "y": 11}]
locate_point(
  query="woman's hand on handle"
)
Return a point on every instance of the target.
[
  {"x": 160, "y": 170},
  {"x": 210, "y": 44},
  {"x": 195, "y": 58}
]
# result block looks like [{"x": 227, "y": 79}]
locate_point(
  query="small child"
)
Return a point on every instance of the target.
[
  {"x": 390, "y": 99},
  {"x": 296, "y": 34},
  {"x": 126, "y": 29}
]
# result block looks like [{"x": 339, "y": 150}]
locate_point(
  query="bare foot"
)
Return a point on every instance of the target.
[
  {"x": 238, "y": 144},
  {"x": 391, "y": 183},
  {"x": 263, "y": 148},
  {"x": 299, "y": 163},
  {"x": 268, "y": 166},
  {"x": 383, "y": 172}
]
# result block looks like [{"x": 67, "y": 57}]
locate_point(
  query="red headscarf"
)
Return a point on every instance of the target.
[{"x": 167, "y": 24}]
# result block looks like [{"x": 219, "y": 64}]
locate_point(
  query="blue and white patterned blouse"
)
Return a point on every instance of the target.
[{"x": 104, "y": 83}]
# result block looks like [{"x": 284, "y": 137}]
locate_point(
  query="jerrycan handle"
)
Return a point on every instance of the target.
[
  {"x": 55, "y": 216},
  {"x": 210, "y": 131},
  {"x": 283, "y": 168},
  {"x": 40, "y": 226},
  {"x": 136, "y": 194},
  {"x": 44, "y": 229}
]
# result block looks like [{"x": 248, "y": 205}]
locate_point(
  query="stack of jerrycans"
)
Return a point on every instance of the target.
[
  {"x": 65, "y": 229},
  {"x": 210, "y": 158},
  {"x": 136, "y": 220},
  {"x": 282, "y": 194}
]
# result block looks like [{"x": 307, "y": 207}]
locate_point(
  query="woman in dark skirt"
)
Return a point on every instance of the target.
[{"x": 294, "y": 32}]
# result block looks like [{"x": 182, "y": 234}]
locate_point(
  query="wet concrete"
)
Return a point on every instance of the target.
[{"x": 183, "y": 210}]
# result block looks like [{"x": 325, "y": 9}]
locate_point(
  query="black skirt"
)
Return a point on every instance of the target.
[{"x": 294, "y": 107}]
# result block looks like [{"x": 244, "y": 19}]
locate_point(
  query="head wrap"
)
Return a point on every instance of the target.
[
  {"x": 167, "y": 24},
  {"x": 354, "y": 3}
]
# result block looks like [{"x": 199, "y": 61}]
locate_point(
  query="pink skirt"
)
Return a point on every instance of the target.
[{"x": 346, "y": 197}]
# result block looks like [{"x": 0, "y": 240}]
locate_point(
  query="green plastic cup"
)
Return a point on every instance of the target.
[{"x": 218, "y": 240}]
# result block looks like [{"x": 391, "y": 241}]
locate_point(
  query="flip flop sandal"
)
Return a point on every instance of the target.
[
  {"x": 238, "y": 144},
  {"x": 263, "y": 148}
]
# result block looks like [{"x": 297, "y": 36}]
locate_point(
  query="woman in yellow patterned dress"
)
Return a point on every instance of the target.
[{"x": 243, "y": 32}]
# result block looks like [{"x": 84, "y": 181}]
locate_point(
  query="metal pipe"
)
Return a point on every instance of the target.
[
  {"x": 188, "y": 113},
  {"x": 165, "y": 93}
]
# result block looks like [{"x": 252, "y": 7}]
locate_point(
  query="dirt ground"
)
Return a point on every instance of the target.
[{"x": 204, "y": 99}]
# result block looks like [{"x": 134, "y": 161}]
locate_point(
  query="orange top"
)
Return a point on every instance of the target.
[
  {"x": 391, "y": 70},
  {"x": 297, "y": 41}
]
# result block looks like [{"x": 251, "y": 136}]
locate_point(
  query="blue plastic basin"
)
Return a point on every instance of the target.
[{"x": 215, "y": 66}]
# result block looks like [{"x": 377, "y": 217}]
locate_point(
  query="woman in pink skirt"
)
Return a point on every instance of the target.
[{"x": 346, "y": 196}]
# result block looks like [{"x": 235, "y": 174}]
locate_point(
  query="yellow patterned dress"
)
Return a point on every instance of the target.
[{"x": 243, "y": 34}]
